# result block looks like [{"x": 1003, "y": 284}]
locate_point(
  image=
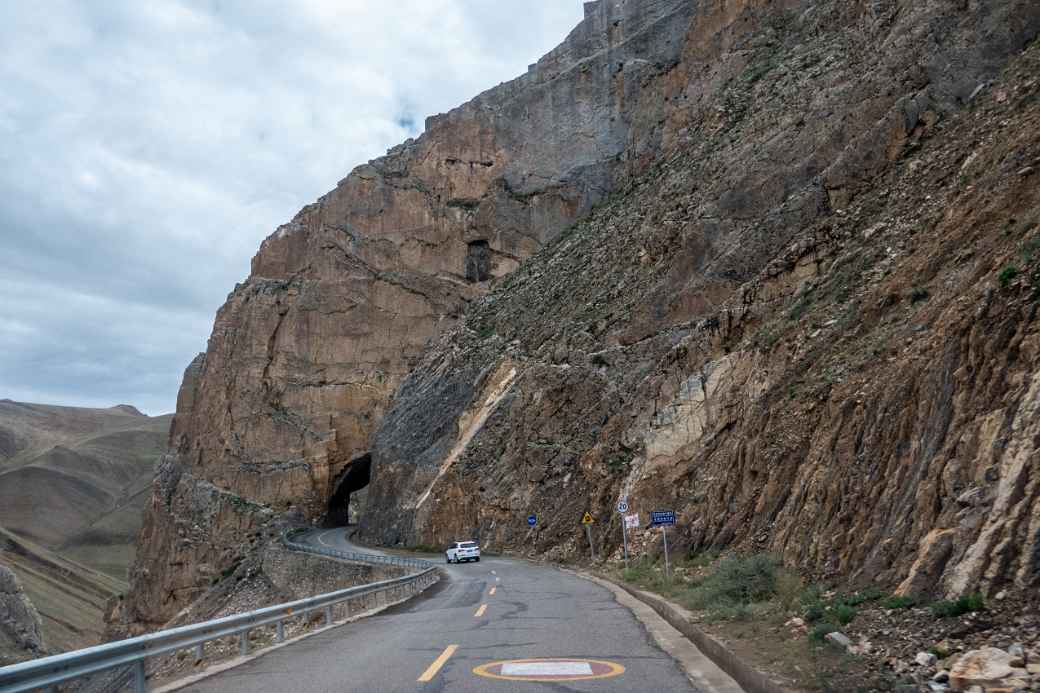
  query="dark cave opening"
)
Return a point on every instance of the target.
[
  {"x": 478, "y": 261},
  {"x": 354, "y": 477}
]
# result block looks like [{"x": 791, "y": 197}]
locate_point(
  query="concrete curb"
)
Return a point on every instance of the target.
[{"x": 751, "y": 680}]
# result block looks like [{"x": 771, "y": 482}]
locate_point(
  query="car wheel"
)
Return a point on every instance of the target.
[{"x": 477, "y": 559}]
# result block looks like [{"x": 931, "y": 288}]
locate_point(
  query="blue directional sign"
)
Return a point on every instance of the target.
[
  {"x": 531, "y": 519},
  {"x": 662, "y": 517}
]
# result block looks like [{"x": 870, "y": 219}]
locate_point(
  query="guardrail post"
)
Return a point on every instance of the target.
[
  {"x": 279, "y": 632},
  {"x": 140, "y": 684},
  {"x": 198, "y": 652},
  {"x": 243, "y": 643},
  {"x": 328, "y": 615}
]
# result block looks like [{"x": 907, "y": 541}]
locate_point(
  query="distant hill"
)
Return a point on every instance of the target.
[
  {"x": 71, "y": 598},
  {"x": 73, "y": 483}
]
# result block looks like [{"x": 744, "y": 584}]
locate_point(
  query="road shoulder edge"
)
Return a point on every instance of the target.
[
  {"x": 221, "y": 667},
  {"x": 736, "y": 669},
  {"x": 698, "y": 667}
]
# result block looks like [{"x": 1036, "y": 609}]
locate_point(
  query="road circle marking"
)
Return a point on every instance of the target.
[{"x": 549, "y": 669}]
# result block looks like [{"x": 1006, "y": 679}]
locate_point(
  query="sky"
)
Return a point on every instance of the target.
[{"x": 146, "y": 148}]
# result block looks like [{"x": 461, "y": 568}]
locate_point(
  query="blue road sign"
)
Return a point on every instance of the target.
[
  {"x": 662, "y": 517},
  {"x": 531, "y": 519}
]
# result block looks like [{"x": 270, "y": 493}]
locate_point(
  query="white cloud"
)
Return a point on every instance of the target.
[{"x": 148, "y": 148}]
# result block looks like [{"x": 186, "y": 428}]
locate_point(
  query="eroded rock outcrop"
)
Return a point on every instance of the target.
[
  {"x": 21, "y": 633},
  {"x": 809, "y": 326},
  {"x": 765, "y": 279},
  {"x": 341, "y": 301}
]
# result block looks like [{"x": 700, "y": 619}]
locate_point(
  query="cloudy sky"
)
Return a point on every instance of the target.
[{"x": 146, "y": 148}]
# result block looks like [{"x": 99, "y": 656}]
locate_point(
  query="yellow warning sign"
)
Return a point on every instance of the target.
[{"x": 587, "y": 520}]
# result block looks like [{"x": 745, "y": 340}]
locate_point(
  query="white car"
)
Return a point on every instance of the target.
[{"x": 463, "y": 551}]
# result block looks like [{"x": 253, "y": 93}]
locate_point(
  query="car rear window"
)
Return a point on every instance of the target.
[{"x": 468, "y": 545}]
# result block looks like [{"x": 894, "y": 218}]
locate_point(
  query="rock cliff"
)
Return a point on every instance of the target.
[
  {"x": 307, "y": 352},
  {"x": 809, "y": 326},
  {"x": 739, "y": 262},
  {"x": 21, "y": 634}
]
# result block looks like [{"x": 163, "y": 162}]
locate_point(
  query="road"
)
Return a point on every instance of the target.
[{"x": 478, "y": 614}]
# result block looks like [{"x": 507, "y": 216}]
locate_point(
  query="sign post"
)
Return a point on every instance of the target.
[
  {"x": 622, "y": 508},
  {"x": 587, "y": 521},
  {"x": 630, "y": 522},
  {"x": 662, "y": 519}
]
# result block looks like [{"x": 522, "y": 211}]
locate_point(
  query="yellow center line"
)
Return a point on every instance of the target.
[
  {"x": 480, "y": 611},
  {"x": 432, "y": 670},
  {"x": 492, "y": 592}
]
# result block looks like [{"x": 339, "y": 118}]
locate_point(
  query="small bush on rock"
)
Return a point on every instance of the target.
[
  {"x": 959, "y": 606},
  {"x": 895, "y": 602}
]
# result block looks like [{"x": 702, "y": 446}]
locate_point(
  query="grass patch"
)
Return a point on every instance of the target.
[
  {"x": 1007, "y": 275},
  {"x": 821, "y": 631},
  {"x": 958, "y": 607},
  {"x": 738, "y": 581},
  {"x": 738, "y": 588},
  {"x": 844, "y": 614},
  {"x": 767, "y": 336},
  {"x": 895, "y": 602}
]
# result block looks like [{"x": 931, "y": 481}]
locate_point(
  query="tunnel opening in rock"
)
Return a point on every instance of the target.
[
  {"x": 478, "y": 261},
  {"x": 347, "y": 499}
]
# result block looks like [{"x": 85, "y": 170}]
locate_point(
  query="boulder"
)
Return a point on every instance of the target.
[{"x": 984, "y": 667}]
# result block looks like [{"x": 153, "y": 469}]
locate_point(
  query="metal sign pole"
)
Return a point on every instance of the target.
[
  {"x": 588, "y": 533},
  {"x": 667, "y": 568},
  {"x": 624, "y": 538}
]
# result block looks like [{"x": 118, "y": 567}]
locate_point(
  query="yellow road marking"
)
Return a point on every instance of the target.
[
  {"x": 432, "y": 670},
  {"x": 492, "y": 592},
  {"x": 480, "y": 611}
]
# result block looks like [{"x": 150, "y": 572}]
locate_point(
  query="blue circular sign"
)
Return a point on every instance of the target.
[{"x": 531, "y": 519}]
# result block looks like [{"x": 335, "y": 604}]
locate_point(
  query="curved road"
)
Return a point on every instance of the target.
[{"x": 497, "y": 609}]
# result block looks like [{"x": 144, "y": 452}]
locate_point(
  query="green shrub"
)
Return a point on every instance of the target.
[
  {"x": 814, "y": 613},
  {"x": 742, "y": 580},
  {"x": 844, "y": 614},
  {"x": 895, "y": 602},
  {"x": 1007, "y": 275},
  {"x": 959, "y": 606},
  {"x": 871, "y": 594},
  {"x": 917, "y": 294},
  {"x": 820, "y": 631}
]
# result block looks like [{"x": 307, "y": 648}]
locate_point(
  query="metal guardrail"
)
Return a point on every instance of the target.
[
  {"x": 400, "y": 561},
  {"x": 48, "y": 672}
]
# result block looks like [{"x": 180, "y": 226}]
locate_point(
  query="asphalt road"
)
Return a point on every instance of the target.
[{"x": 479, "y": 613}]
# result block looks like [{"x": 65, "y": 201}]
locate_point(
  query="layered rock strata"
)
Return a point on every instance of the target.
[
  {"x": 307, "y": 352},
  {"x": 796, "y": 307},
  {"x": 809, "y": 326}
]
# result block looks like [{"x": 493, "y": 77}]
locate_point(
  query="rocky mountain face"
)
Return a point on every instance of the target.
[
  {"x": 308, "y": 351},
  {"x": 73, "y": 483},
  {"x": 765, "y": 262},
  {"x": 21, "y": 634}
]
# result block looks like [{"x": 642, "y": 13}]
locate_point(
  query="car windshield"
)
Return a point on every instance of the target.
[{"x": 468, "y": 545}]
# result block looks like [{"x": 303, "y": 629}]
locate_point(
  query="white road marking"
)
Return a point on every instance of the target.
[
  {"x": 546, "y": 669},
  {"x": 321, "y": 538}
]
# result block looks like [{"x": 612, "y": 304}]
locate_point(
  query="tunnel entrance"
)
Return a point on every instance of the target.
[
  {"x": 348, "y": 487},
  {"x": 478, "y": 261}
]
